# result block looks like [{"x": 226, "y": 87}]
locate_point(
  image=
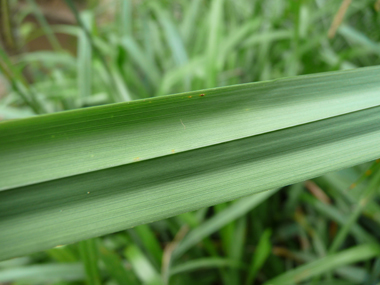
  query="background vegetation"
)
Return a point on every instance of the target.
[{"x": 320, "y": 231}]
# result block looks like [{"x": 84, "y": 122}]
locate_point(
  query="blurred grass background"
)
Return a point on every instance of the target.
[{"x": 60, "y": 55}]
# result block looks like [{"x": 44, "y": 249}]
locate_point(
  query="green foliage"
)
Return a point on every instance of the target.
[{"x": 74, "y": 175}]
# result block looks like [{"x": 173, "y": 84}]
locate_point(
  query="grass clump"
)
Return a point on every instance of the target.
[{"x": 317, "y": 232}]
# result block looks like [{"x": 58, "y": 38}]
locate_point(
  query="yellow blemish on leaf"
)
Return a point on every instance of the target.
[
  {"x": 52, "y": 136},
  {"x": 353, "y": 185},
  {"x": 183, "y": 124},
  {"x": 190, "y": 96},
  {"x": 368, "y": 172},
  {"x": 136, "y": 159},
  {"x": 173, "y": 151},
  {"x": 88, "y": 192}
]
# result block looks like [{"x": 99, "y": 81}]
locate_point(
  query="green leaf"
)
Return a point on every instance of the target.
[
  {"x": 46, "y": 273},
  {"x": 150, "y": 242},
  {"x": 45, "y": 26},
  {"x": 325, "y": 264},
  {"x": 214, "y": 38},
  {"x": 79, "y": 174},
  {"x": 203, "y": 263},
  {"x": 142, "y": 267},
  {"x": 84, "y": 68},
  {"x": 81, "y": 141},
  {"x": 173, "y": 38},
  {"x": 261, "y": 254},
  {"x": 221, "y": 219},
  {"x": 63, "y": 254},
  {"x": 89, "y": 253},
  {"x": 116, "y": 268},
  {"x": 367, "y": 195},
  {"x": 148, "y": 66}
]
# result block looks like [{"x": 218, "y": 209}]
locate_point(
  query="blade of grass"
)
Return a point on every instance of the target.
[
  {"x": 6, "y": 24},
  {"x": 89, "y": 254},
  {"x": 142, "y": 267},
  {"x": 48, "y": 58},
  {"x": 150, "y": 242},
  {"x": 125, "y": 27},
  {"x": 84, "y": 61},
  {"x": 72, "y": 7},
  {"x": 364, "y": 199},
  {"x": 227, "y": 231},
  {"x": 375, "y": 274},
  {"x": 215, "y": 20},
  {"x": 176, "y": 75},
  {"x": 236, "y": 249},
  {"x": 263, "y": 250},
  {"x": 173, "y": 39},
  {"x": 189, "y": 20},
  {"x": 19, "y": 84},
  {"x": 63, "y": 254},
  {"x": 115, "y": 268},
  {"x": 230, "y": 42},
  {"x": 99, "y": 202},
  {"x": 331, "y": 212},
  {"x": 108, "y": 200},
  {"x": 44, "y": 273},
  {"x": 357, "y": 37},
  {"x": 208, "y": 227},
  {"x": 93, "y": 139},
  {"x": 16, "y": 262},
  {"x": 203, "y": 264},
  {"x": 45, "y": 26},
  {"x": 149, "y": 67},
  {"x": 325, "y": 264},
  {"x": 354, "y": 274},
  {"x": 121, "y": 86}
]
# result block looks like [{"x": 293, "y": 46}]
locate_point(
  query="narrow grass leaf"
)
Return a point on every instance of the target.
[
  {"x": 208, "y": 227},
  {"x": 63, "y": 254},
  {"x": 142, "y": 267},
  {"x": 189, "y": 20},
  {"x": 89, "y": 254},
  {"x": 45, "y": 25},
  {"x": 176, "y": 154},
  {"x": 214, "y": 35},
  {"x": 94, "y": 138},
  {"x": 204, "y": 264},
  {"x": 325, "y": 264},
  {"x": 260, "y": 255},
  {"x": 173, "y": 38},
  {"x": 125, "y": 26},
  {"x": 136, "y": 54},
  {"x": 150, "y": 242},
  {"x": 116, "y": 268},
  {"x": 84, "y": 61},
  {"x": 368, "y": 194},
  {"x": 358, "y": 232},
  {"x": 44, "y": 273}
]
